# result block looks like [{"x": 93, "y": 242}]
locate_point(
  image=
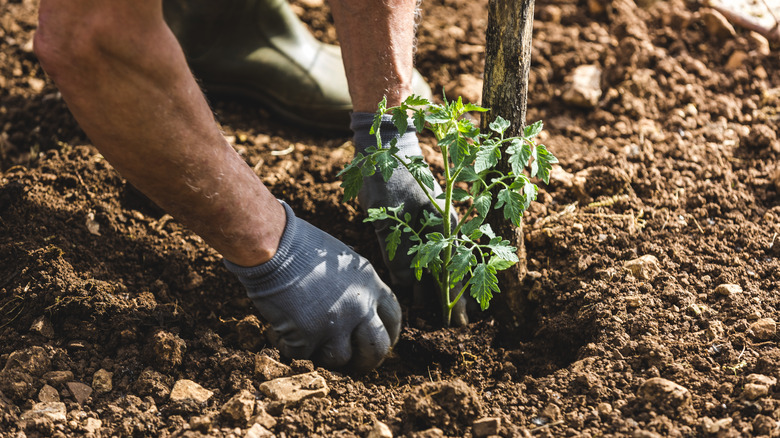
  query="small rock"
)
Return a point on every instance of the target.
[
  {"x": 56, "y": 378},
  {"x": 763, "y": 330},
  {"x": 201, "y": 423},
  {"x": 167, "y": 349},
  {"x": 43, "y": 327},
  {"x": 753, "y": 391},
  {"x": 761, "y": 379},
  {"x": 663, "y": 392},
  {"x": 269, "y": 369},
  {"x": 258, "y": 431},
  {"x": 604, "y": 408},
  {"x": 380, "y": 430},
  {"x": 80, "y": 391},
  {"x": 54, "y": 411},
  {"x": 760, "y": 43},
  {"x": 33, "y": 361},
  {"x": 92, "y": 425},
  {"x": 597, "y": 7},
  {"x": 713, "y": 427},
  {"x": 263, "y": 418},
  {"x": 715, "y": 330},
  {"x": 643, "y": 268},
  {"x": 36, "y": 84},
  {"x": 633, "y": 301},
  {"x": 552, "y": 411},
  {"x": 717, "y": 25},
  {"x": 102, "y": 381},
  {"x": 290, "y": 390},
  {"x": 185, "y": 390},
  {"x": 584, "y": 88},
  {"x": 728, "y": 290},
  {"x": 433, "y": 432},
  {"x": 487, "y": 426},
  {"x": 250, "y": 333},
  {"x": 736, "y": 60},
  {"x": 48, "y": 394},
  {"x": 240, "y": 407}
]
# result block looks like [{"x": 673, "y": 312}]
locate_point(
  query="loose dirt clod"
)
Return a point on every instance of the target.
[
  {"x": 291, "y": 390},
  {"x": 239, "y": 408}
]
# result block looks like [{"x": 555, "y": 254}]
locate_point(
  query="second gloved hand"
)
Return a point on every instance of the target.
[
  {"x": 324, "y": 301},
  {"x": 400, "y": 188}
]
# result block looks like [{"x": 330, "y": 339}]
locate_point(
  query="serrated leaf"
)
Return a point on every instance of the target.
[
  {"x": 532, "y": 130},
  {"x": 400, "y": 120},
  {"x": 353, "y": 180},
  {"x": 438, "y": 116},
  {"x": 460, "y": 152},
  {"x": 500, "y": 264},
  {"x": 482, "y": 203},
  {"x": 431, "y": 249},
  {"x": 472, "y": 226},
  {"x": 499, "y": 125},
  {"x": 519, "y": 154},
  {"x": 543, "y": 161},
  {"x": 460, "y": 195},
  {"x": 420, "y": 170},
  {"x": 512, "y": 203},
  {"x": 416, "y": 100},
  {"x": 472, "y": 107},
  {"x": 467, "y": 174},
  {"x": 530, "y": 190},
  {"x": 419, "y": 120},
  {"x": 430, "y": 220},
  {"x": 386, "y": 163},
  {"x": 483, "y": 283},
  {"x": 488, "y": 231},
  {"x": 376, "y": 214},
  {"x": 503, "y": 249},
  {"x": 393, "y": 240},
  {"x": 461, "y": 263},
  {"x": 488, "y": 155}
]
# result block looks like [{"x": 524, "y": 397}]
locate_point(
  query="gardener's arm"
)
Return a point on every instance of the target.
[{"x": 126, "y": 81}]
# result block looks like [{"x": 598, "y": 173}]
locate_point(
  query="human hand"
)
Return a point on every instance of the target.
[
  {"x": 401, "y": 188},
  {"x": 323, "y": 300}
]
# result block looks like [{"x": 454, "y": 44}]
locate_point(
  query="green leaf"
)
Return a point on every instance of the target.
[
  {"x": 488, "y": 231},
  {"x": 438, "y": 116},
  {"x": 353, "y": 180},
  {"x": 530, "y": 190},
  {"x": 467, "y": 174},
  {"x": 460, "y": 195},
  {"x": 512, "y": 202},
  {"x": 430, "y": 219},
  {"x": 376, "y": 214},
  {"x": 543, "y": 161},
  {"x": 460, "y": 152},
  {"x": 482, "y": 203},
  {"x": 420, "y": 170},
  {"x": 503, "y": 249},
  {"x": 386, "y": 162},
  {"x": 431, "y": 249},
  {"x": 499, "y": 125},
  {"x": 483, "y": 283},
  {"x": 472, "y": 226},
  {"x": 500, "y": 264},
  {"x": 415, "y": 100},
  {"x": 472, "y": 107},
  {"x": 393, "y": 240},
  {"x": 519, "y": 154},
  {"x": 419, "y": 120},
  {"x": 488, "y": 155},
  {"x": 461, "y": 263},
  {"x": 400, "y": 120},
  {"x": 532, "y": 130}
]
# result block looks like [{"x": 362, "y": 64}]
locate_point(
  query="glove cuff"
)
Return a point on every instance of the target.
[
  {"x": 361, "y": 126},
  {"x": 290, "y": 258}
]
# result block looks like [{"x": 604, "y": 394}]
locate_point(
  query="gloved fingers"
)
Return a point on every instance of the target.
[
  {"x": 291, "y": 342},
  {"x": 335, "y": 353},
  {"x": 370, "y": 344},
  {"x": 389, "y": 311}
]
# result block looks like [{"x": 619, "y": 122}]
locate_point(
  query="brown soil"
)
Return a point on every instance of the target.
[{"x": 677, "y": 161}]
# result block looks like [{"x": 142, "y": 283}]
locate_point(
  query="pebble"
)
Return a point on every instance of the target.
[
  {"x": 188, "y": 390},
  {"x": 102, "y": 381},
  {"x": 713, "y": 427},
  {"x": 643, "y": 268},
  {"x": 736, "y": 60},
  {"x": 487, "y": 426},
  {"x": 43, "y": 327},
  {"x": 54, "y": 411},
  {"x": 763, "y": 330},
  {"x": 263, "y": 418},
  {"x": 753, "y": 391},
  {"x": 584, "y": 89},
  {"x": 717, "y": 25},
  {"x": 762, "y": 379},
  {"x": 760, "y": 42},
  {"x": 58, "y": 377},
  {"x": 728, "y": 290},
  {"x": 201, "y": 423},
  {"x": 663, "y": 392},
  {"x": 269, "y": 369},
  {"x": 604, "y": 408},
  {"x": 240, "y": 407},
  {"x": 48, "y": 394},
  {"x": 380, "y": 430},
  {"x": 92, "y": 425},
  {"x": 168, "y": 349},
  {"x": 433, "y": 432},
  {"x": 80, "y": 391},
  {"x": 258, "y": 431},
  {"x": 290, "y": 390}
]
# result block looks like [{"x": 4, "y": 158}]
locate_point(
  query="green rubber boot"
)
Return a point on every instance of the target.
[{"x": 261, "y": 50}]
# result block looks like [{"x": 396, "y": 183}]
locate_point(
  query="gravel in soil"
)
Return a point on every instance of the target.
[{"x": 653, "y": 254}]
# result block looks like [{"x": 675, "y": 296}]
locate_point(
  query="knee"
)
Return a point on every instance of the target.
[{"x": 63, "y": 41}]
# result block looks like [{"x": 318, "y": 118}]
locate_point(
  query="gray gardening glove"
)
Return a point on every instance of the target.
[
  {"x": 401, "y": 188},
  {"x": 323, "y": 300}
]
